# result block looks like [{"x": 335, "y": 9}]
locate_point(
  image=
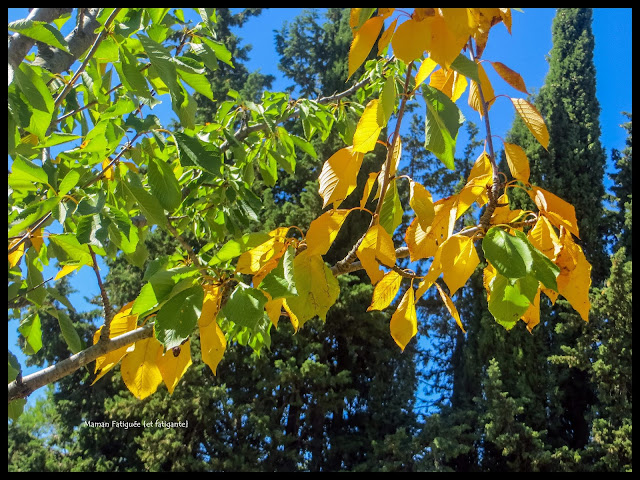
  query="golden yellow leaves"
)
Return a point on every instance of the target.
[
  {"x": 145, "y": 363},
  {"x": 339, "y": 176},
  {"x": 533, "y": 120},
  {"x": 404, "y": 321}
]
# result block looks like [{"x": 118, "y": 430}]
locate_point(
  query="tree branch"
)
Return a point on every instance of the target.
[
  {"x": 106, "y": 304},
  {"x": 22, "y": 387},
  {"x": 19, "y": 45},
  {"x": 78, "y": 41}
]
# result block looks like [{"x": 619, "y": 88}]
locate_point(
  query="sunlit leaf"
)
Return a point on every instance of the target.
[
  {"x": 512, "y": 78},
  {"x": 173, "y": 366},
  {"x": 339, "y": 176},
  {"x": 574, "y": 279},
  {"x": 410, "y": 40},
  {"x": 385, "y": 291},
  {"x": 323, "y": 230},
  {"x": 363, "y": 41},
  {"x": 558, "y": 211},
  {"x": 139, "y": 368},
  {"x": 404, "y": 322},
  {"x": 450, "y": 306},
  {"x": 517, "y": 161},
  {"x": 533, "y": 120},
  {"x": 369, "y": 127},
  {"x": 377, "y": 245},
  {"x": 459, "y": 260}
]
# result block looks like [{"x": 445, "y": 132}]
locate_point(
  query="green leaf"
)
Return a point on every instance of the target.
[
  {"x": 30, "y": 328},
  {"x": 160, "y": 58},
  {"x": 14, "y": 367},
  {"x": 511, "y": 256},
  {"x": 41, "y": 32},
  {"x": 193, "y": 73},
  {"x": 160, "y": 285},
  {"x": 442, "y": 122},
  {"x": 388, "y": 98},
  {"x": 234, "y": 248},
  {"x": 129, "y": 72},
  {"x": 69, "y": 332},
  {"x": 391, "y": 210},
  {"x": 16, "y": 407},
  {"x": 149, "y": 205},
  {"x": 164, "y": 185},
  {"x": 67, "y": 249},
  {"x": 34, "y": 279},
  {"x": 24, "y": 171},
  {"x": 466, "y": 67},
  {"x": 542, "y": 268},
  {"x": 303, "y": 145},
  {"x": 177, "y": 318},
  {"x": 245, "y": 306},
  {"x": 279, "y": 282},
  {"x": 69, "y": 181},
  {"x": 222, "y": 53},
  {"x": 195, "y": 153},
  {"x": 509, "y": 300},
  {"x": 38, "y": 97}
]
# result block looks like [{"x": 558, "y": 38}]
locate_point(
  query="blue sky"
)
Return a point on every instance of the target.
[{"x": 524, "y": 51}]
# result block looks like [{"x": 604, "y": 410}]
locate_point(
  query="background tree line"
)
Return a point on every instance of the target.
[{"x": 341, "y": 395}]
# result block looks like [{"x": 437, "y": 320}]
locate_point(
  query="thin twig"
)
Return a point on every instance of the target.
[
  {"x": 351, "y": 256},
  {"x": 108, "y": 310},
  {"x": 67, "y": 88}
]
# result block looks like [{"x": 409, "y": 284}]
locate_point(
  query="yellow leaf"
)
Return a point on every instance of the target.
[
  {"x": 292, "y": 316},
  {"x": 16, "y": 255},
  {"x": 574, "y": 279},
  {"x": 212, "y": 343},
  {"x": 488, "y": 94},
  {"x": 376, "y": 245},
  {"x": 558, "y": 211},
  {"x": 411, "y": 39},
  {"x": 489, "y": 274},
  {"x": 66, "y": 270},
  {"x": 544, "y": 238},
  {"x": 459, "y": 260},
  {"x": 424, "y": 243},
  {"x": 108, "y": 174},
  {"x": 210, "y": 304},
  {"x": 369, "y": 127},
  {"x": 421, "y": 202},
  {"x": 385, "y": 291},
  {"x": 459, "y": 86},
  {"x": 471, "y": 192},
  {"x": 139, "y": 368},
  {"x": 518, "y": 162},
  {"x": 425, "y": 70},
  {"x": 482, "y": 166},
  {"x": 36, "y": 239},
  {"x": 252, "y": 261},
  {"x": 267, "y": 267},
  {"x": 532, "y": 316},
  {"x": 368, "y": 187},
  {"x": 317, "y": 288},
  {"x": 450, "y": 306},
  {"x": 484, "y": 19},
  {"x": 443, "y": 81},
  {"x": 504, "y": 214},
  {"x": 363, "y": 42},
  {"x": 512, "y": 78},
  {"x": 172, "y": 367},
  {"x": 385, "y": 38},
  {"x": 274, "y": 309},
  {"x": 404, "y": 322},
  {"x": 323, "y": 230},
  {"x": 449, "y": 34},
  {"x": 121, "y": 323},
  {"x": 339, "y": 176},
  {"x": 434, "y": 272},
  {"x": 533, "y": 120}
]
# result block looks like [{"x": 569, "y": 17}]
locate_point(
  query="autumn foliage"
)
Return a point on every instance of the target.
[{"x": 238, "y": 289}]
